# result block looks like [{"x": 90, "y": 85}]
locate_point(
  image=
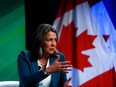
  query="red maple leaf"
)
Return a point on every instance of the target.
[
  {"x": 73, "y": 46},
  {"x": 84, "y": 42}
]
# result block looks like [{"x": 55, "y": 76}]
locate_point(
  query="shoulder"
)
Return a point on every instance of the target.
[
  {"x": 62, "y": 56},
  {"x": 25, "y": 54}
]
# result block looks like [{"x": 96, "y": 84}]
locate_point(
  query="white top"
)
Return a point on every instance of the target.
[
  {"x": 45, "y": 82},
  {"x": 9, "y": 83}
]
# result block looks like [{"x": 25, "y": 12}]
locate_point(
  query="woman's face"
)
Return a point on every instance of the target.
[{"x": 50, "y": 43}]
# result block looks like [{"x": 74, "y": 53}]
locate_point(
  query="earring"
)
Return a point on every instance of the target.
[{"x": 40, "y": 51}]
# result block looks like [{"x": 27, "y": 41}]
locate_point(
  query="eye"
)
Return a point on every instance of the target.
[
  {"x": 56, "y": 40},
  {"x": 49, "y": 39}
]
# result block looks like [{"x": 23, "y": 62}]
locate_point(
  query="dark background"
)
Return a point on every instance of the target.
[{"x": 37, "y": 12}]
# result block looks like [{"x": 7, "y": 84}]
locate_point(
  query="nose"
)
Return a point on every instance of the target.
[{"x": 54, "y": 43}]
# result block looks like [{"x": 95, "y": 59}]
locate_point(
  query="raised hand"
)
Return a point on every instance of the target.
[{"x": 64, "y": 66}]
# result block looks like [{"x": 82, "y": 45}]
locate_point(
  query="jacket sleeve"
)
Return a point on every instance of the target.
[
  {"x": 27, "y": 78},
  {"x": 63, "y": 77}
]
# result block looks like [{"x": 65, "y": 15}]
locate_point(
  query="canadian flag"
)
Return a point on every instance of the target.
[{"x": 81, "y": 41}]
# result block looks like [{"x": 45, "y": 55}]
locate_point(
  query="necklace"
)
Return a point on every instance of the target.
[{"x": 43, "y": 62}]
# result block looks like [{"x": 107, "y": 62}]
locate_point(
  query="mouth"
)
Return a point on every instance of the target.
[{"x": 51, "y": 49}]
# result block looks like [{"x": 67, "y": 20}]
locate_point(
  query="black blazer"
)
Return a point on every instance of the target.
[{"x": 30, "y": 76}]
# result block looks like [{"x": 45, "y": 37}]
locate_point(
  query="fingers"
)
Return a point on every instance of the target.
[
  {"x": 65, "y": 66},
  {"x": 66, "y": 70},
  {"x": 69, "y": 79},
  {"x": 67, "y": 83},
  {"x": 58, "y": 57},
  {"x": 65, "y": 62}
]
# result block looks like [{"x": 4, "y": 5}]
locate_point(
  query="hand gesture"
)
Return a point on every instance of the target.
[
  {"x": 64, "y": 66},
  {"x": 67, "y": 83}
]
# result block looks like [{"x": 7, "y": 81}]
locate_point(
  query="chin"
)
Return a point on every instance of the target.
[{"x": 51, "y": 52}]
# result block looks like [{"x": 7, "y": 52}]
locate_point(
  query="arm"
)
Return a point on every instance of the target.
[{"x": 27, "y": 77}]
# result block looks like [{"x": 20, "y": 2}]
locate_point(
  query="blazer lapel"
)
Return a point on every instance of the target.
[{"x": 34, "y": 66}]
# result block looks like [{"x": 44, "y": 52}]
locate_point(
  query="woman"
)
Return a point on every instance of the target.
[{"x": 42, "y": 66}]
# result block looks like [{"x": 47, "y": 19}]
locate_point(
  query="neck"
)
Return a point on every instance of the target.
[
  {"x": 45, "y": 56},
  {"x": 43, "y": 60}
]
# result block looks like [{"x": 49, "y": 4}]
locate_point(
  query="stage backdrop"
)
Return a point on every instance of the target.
[{"x": 12, "y": 37}]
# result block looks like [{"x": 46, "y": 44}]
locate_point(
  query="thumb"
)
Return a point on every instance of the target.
[
  {"x": 58, "y": 57},
  {"x": 69, "y": 79}
]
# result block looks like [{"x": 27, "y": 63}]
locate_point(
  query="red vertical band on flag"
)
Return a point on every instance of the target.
[
  {"x": 68, "y": 46},
  {"x": 67, "y": 5}
]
